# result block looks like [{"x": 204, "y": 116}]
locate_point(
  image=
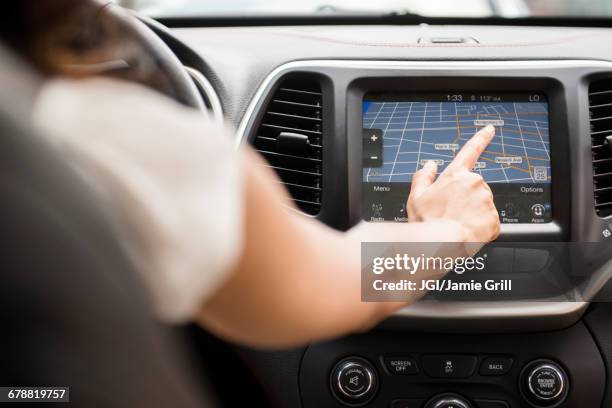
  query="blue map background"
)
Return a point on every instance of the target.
[{"x": 414, "y": 132}]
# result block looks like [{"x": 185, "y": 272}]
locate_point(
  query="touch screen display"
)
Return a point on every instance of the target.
[{"x": 401, "y": 132}]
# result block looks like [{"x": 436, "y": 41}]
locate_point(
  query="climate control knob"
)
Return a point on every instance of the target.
[
  {"x": 448, "y": 401},
  {"x": 354, "y": 381},
  {"x": 544, "y": 383}
]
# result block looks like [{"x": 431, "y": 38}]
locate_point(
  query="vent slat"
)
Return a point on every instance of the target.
[
  {"x": 300, "y": 91},
  {"x": 600, "y": 110},
  {"x": 289, "y": 156},
  {"x": 296, "y": 107},
  {"x": 306, "y": 173},
  {"x": 601, "y": 175},
  {"x": 600, "y": 119},
  {"x": 292, "y": 129},
  {"x": 603, "y": 190},
  {"x": 300, "y": 186},
  {"x": 606, "y": 92},
  {"x": 313, "y": 203},
  {"x": 268, "y": 139},
  {"x": 273, "y": 140},
  {"x": 604, "y": 105},
  {"x": 292, "y": 103},
  {"x": 287, "y": 115}
]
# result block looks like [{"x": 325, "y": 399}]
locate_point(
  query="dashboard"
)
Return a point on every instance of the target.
[{"x": 347, "y": 114}]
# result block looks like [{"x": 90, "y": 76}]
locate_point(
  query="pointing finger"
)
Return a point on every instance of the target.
[
  {"x": 471, "y": 151},
  {"x": 423, "y": 178}
]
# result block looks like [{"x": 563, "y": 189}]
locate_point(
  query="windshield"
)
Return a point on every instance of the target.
[{"x": 429, "y": 8}]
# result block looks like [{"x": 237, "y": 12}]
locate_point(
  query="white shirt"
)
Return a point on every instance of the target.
[{"x": 169, "y": 177}]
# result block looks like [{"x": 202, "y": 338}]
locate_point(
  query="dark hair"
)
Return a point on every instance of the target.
[
  {"x": 70, "y": 37},
  {"x": 52, "y": 35}
]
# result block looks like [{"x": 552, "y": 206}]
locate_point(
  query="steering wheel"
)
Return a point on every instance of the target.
[{"x": 155, "y": 56}]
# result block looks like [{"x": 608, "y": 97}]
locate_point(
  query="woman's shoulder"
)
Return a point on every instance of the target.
[{"x": 98, "y": 97}]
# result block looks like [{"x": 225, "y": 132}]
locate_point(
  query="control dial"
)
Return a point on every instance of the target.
[
  {"x": 448, "y": 401},
  {"x": 544, "y": 383},
  {"x": 354, "y": 381}
]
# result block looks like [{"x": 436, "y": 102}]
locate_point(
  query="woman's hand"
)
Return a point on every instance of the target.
[
  {"x": 287, "y": 259},
  {"x": 459, "y": 194}
]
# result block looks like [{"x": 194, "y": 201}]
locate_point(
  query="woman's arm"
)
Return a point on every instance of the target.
[{"x": 299, "y": 281}]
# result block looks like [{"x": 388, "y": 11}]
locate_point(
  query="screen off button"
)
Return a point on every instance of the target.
[{"x": 401, "y": 365}]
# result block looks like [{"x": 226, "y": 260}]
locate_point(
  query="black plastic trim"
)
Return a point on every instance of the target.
[{"x": 391, "y": 19}]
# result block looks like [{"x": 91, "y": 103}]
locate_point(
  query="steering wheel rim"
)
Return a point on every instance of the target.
[{"x": 180, "y": 85}]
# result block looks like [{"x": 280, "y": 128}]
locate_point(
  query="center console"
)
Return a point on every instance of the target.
[
  {"x": 408, "y": 370},
  {"x": 367, "y": 127}
]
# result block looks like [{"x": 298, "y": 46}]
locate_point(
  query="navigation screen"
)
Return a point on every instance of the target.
[{"x": 401, "y": 132}]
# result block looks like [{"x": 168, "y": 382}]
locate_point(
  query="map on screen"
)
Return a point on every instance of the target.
[{"x": 414, "y": 132}]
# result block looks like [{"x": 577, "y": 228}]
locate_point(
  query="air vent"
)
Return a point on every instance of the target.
[
  {"x": 290, "y": 137},
  {"x": 600, "y": 108}
]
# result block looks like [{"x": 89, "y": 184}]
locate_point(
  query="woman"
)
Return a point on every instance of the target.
[{"x": 207, "y": 226}]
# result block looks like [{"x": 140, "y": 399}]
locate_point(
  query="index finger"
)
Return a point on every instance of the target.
[{"x": 471, "y": 151}]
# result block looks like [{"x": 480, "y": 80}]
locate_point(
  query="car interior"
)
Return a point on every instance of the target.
[{"x": 321, "y": 96}]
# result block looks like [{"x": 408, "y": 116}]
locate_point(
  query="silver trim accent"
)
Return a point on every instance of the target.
[
  {"x": 546, "y": 228},
  {"x": 491, "y": 310},
  {"x": 441, "y": 313},
  {"x": 203, "y": 84},
  {"x": 348, "y": 365},
  {"x": 273, "y": 76},
  {"x": 557, "y": 372}
]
